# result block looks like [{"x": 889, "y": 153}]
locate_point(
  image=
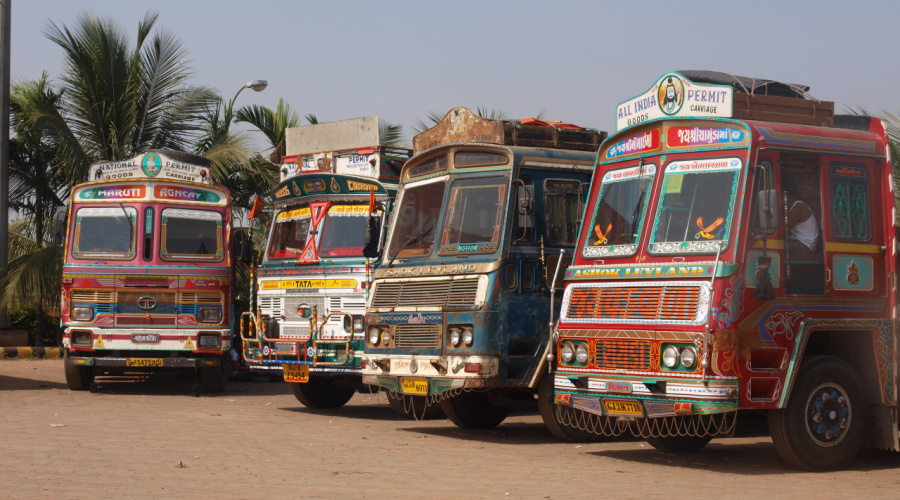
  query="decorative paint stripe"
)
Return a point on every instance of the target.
[{"x": 774, "y": 139}]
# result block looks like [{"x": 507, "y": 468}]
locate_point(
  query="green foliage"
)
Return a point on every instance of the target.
[{"x": 41, "y": 326}]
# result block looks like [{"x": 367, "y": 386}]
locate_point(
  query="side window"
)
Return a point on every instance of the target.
[
  {"x": 565, "y": 208},
  {"x": 523, "y": 218},
  {"x": 849, "y": 186},
  {"x": 766, "y": 205}
]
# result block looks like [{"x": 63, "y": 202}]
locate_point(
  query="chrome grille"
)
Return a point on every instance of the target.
[
  {"x": 96, "y": 296},
  {"x": 426, "y": 293},
  {"x": 418, "y": 336}
]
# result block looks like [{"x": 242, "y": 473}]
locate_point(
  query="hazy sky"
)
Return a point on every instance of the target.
[{"x": 575, "y": 60}]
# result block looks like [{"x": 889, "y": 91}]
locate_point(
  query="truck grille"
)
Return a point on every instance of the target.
[
  {"x": 679, "y": 303},
  {"x": 426, "y": 293},
  {"x": 623, "y": 354},
  {"x": 418, "y": 336}
]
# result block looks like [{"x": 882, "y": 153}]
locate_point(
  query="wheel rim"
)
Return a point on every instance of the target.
[{"x": 828, "y": 414}]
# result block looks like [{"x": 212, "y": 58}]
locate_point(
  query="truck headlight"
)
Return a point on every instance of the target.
[
  {"x": 455, "y": 335},
  {"x": 670, "y": 356},
  {"x": 568, "y": 352},
  {"x": 581, "y": 353},
  {"x": 82, "y": 313},
  {"x": 468, "y": 335},
  {"x": 689, "y": 357},
  {"x": 210, "y": 315},
  {"x": 208, "y": 341},
  {"x": 359, "y": 324},
  {"x": 374, "y": 335},
  {"x": 81, "y": 337}
]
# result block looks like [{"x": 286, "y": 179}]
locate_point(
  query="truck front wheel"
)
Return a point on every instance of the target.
[
  {"x": 822, "y": 426},
  {"x": 474, "y": 410},
  {"x": 549, "y": 415},
  {"x": 78, "y": 377},
  {"x": 321, "y": 393}
]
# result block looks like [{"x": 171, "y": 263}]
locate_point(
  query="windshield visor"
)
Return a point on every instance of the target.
[
  {"x": 475, "y": 216},
  {"x": 417, "y": 216},
  {"x": 290, "y": 233},
  {"x": 619, "y": 215},
  {"x": 105, "y": 233},
  {"x": 344, "y": 233},
  {"x": 697, "y": 202},
  {"x": 191, "y": 235}
]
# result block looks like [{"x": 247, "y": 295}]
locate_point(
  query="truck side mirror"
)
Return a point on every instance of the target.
[
  {"x": 373, "y": 235},
  {"x": 58, "y": 234},
  {"x": 768, "y": 209}
]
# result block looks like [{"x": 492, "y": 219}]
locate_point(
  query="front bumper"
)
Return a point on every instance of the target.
[
  {"x": 651, "y": 396},
  {"x": 442, "y": 373},
  {"x": 143, "y": 363}
]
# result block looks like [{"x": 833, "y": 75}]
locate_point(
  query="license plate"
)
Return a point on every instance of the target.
[
  {"x": 616, "y": 407},
  {"x": 144, "y": 362},
  {"x": 414, "y": 386},
  {"x": 294, "y": 372}
]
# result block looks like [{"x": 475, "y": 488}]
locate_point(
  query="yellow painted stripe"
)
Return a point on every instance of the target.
[
  {"x": 772, "y": 244},
  {"x": 25, "y": 352},
  {"x": 853, "y": 248}
]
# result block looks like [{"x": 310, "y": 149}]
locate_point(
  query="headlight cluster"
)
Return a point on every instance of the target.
[
  {"x": 460, "y": 335},
  {"x": 574, "y": 353},
  {"x": 81, "y": 337},
  {"x": 674, "y": 355},
  {"x": 82, "y": 313},
  {"x": 210, "y": 315},
  {"x": 354, "y": 323},
  {"x": 379, "y": 336}
]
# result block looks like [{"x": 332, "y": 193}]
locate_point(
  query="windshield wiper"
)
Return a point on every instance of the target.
[
  {"x": 410, "y": 242},
  {"x": 130, "y": 226}
]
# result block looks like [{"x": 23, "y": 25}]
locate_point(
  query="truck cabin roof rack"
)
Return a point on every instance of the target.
[{"x": 461, "y": 125}]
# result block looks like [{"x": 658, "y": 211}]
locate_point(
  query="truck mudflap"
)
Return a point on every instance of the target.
[{"x": 146, "y": 363}]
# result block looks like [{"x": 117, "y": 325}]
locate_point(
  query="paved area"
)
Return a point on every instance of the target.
[{"x": 150, "y": 439}]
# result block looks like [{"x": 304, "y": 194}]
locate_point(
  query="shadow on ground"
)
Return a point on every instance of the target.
[{"x": 9, "y": 383}]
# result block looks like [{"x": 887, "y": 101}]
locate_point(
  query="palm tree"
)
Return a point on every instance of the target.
[{"x": 119, "y": 100}]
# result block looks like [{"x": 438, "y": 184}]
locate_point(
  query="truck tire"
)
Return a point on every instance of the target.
[
  {"x": 78, "y": 377},
  {"x": 474, "y": 410},
  {"x": 679, "y": 444},
  {"x": 823, "y": 425},
  {"x": 547, "y": 408},
  {"x": 321, "y": 393},
  {"x": 212, "y": 378},
  {"x": 414, "y": 407}
]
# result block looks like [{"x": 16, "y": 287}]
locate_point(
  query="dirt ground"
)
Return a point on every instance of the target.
[{"x": 150, "y": 439}]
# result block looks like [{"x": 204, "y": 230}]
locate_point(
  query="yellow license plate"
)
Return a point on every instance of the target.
[
  {"x": 144, "y": 362},
  {"x": 414, "y": 386},
  {"x": 295, "y": 372},
  {"x": 617, "y": 407}
]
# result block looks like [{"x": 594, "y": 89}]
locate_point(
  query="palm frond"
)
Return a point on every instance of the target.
[{"x": 32, "y": 278}]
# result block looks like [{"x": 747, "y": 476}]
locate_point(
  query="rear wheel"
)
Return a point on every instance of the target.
[
  {"x": 550, "y": 417},
  {"x": 822, "y": 426},
  {"x": 414, "y": 407},
  {"x": 321, "y": 393},
  {"x": 474, "y": 410},
  {"x": 78, "y": 377},
  {"x": 679, "y": 444}
]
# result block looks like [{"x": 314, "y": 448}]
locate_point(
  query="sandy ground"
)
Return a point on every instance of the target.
[{"x": 150, "y": 439}]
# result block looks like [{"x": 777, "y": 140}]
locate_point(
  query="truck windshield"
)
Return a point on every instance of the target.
[
  {"x": 105, "y": 233},
  {"x": 475, "y": 215},
  {"x": 417, "y": 216},
  {"x": 619, "y": 214},
  {"x": 344, "y": 233},
  {"x": 290, "y": 233},
  {"x": 191, "y": 235},
  {"x": 696, "y": 203}
]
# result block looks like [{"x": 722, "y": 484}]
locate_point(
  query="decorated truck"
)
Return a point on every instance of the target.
[
  {"x": 338, "y": 182},
  {"x": 737, "y": 257},
  {"x": 147, "y": 278},
  {"x": 460, "y": 307}
]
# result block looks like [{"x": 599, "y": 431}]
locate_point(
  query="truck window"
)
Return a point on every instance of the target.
[
  {"x": 564, "y": 211},
  {"x": 192, "y": 235},
  {"x": 105, "y": 233},
  {"x": 619, "y": 214},
  {"x": 697, "y": 199},
  {"x": 850, "y": 217},
  {"x": 416, "y": 219},
  {"x": 475, "y": 215},
  {"x": 290, "y": 233},
  {"x": 344, "y": 232}
]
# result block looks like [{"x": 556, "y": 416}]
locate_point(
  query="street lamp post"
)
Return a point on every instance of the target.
[{"x": 256, "y": 85}]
